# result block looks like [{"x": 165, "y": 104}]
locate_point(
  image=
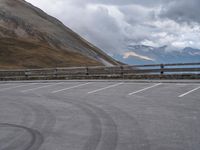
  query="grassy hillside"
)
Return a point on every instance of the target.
[{"x": 26, "y": 54}]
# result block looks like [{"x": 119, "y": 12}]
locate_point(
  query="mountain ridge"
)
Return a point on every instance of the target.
[
  {"x": 144, "y": 54},
  {"x": 21, "y": 20}
]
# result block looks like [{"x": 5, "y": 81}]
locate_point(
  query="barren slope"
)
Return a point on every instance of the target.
[
  {"x": 22, "y": 54},
  {"x": 31, "y": 38}
]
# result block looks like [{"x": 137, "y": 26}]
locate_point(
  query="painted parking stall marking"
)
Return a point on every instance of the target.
[
  {"x": 76, "y": 86},
  {"x": 189, "y": 92},
  {"x": 7, "y": 84},
  {"x": 108, "y": 87},
  {"x": 14, "y": 87},
  {"x": 37, "y": 88},
  {"x": 147, "y": 88}
]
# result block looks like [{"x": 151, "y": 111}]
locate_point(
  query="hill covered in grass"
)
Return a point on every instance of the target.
[{"x": 30, "y": 38}]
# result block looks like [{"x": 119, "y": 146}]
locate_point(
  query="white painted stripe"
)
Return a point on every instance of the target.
[
  {"x": 181, "y": 84},
  {"x": 13, "y": 87},
  {"x": 7, "y": 84},
  {"x": 195, "y": 84},
  {"x": 71, "y": 87},
  {"x": 111, "y": 86},
  {"x": 147, "y": 88},
  {"x": 189, "y": 92},
  {"x": 126, "y": 83},
  {"x": 37, "y": 88}
]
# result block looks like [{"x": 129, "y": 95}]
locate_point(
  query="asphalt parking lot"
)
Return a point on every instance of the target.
[{"x": 99, "y": 115}]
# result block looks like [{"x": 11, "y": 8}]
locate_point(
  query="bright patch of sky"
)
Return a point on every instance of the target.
[{"x": 112, "y": 25}]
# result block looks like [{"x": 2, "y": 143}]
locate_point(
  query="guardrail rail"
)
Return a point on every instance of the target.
[{"x": 152, "y": 71}]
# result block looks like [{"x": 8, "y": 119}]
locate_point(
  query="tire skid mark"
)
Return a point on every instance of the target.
[
  {"x": 96, "y": 130},
  {"x": 24, "y": 120},
  {"x": 35, "y": 142},
  {"x": 22, "y": 107},
  {"x": 108, "y": 137},
  {"x": 44, "y": 119},
  {"x": 94, "y": 139},
  {"x": 40, "y": 118},
  {"x": 136, "y": 138}
]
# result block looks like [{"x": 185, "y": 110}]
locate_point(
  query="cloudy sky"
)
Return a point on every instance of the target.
[{"x": 112, "y": 25}]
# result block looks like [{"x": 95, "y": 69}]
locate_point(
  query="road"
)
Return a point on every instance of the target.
[{"x": 99, "y": 115}]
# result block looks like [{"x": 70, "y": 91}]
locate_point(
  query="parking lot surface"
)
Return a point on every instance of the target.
[{"x": 99, "y": 115}]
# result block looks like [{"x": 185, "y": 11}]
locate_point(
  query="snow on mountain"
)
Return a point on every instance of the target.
[{"x": 143, "y": 54}]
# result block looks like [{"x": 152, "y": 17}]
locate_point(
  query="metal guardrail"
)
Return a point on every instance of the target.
[{"x": 147, "y": 71}]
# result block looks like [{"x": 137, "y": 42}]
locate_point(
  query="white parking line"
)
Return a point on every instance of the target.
[
  {"x": 9, "y": 88},
  {"x": 182, "y": 95},
  {"x": 6, "y": 84},
  {"x": 71, "y": 87},
  {"x": 144, "y": 89},
  {"x": 37, "y": 88},
  {"x": 111, "y": 86},
  {"x": 181, "y": 84}
]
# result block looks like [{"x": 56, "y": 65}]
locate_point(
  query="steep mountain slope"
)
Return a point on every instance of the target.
[
  {"x": 142, "y": 54},
  {"x": 31, "y": 38}
]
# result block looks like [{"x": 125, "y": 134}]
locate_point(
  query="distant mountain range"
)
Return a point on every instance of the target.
[{"x": 142, "y": 54}]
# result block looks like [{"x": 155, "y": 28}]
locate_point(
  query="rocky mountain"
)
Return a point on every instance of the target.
[
  {"x": 29, "y": 38},
  {"x": 142, "y": 54}
]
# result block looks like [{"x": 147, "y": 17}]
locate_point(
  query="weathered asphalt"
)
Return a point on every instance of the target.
[{"x": 100, "y": 115}]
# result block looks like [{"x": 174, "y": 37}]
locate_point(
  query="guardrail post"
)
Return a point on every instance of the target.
[
  {"x": 162, "y": 69},
  {"x": 122, "y": 71},
  {"x": 87, "y": 71},
  {"x": 56, "y": 72},
  {"x": 27, "y": 73}
]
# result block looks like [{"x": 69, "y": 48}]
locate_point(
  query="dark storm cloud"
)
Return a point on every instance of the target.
[
  {"x": 123, "y": 2},
  {"x": 183, "y": 11},
  {"x": 112, "y": 25}
]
